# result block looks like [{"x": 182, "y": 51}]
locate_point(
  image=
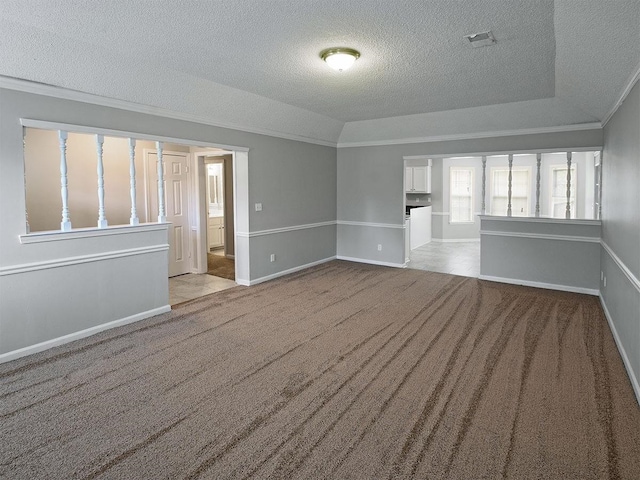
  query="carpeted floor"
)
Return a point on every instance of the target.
[
  {"x": 342, "y": 371},
  {"x": 219, "y": 266}
]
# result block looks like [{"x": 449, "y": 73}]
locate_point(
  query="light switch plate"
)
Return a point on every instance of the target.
[{"x": 258, "y": 207}]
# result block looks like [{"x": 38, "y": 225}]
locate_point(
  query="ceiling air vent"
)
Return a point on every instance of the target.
[{"x": 483, "y": 39}]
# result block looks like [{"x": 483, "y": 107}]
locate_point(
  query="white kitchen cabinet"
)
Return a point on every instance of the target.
[
  {"x": 418, "y": 179},
  {"x": 215, "y": 232}
]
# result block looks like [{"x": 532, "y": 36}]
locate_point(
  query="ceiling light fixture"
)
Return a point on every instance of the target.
[{"x": 340, "y": 59}]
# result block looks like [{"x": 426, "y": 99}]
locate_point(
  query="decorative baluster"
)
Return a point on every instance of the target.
[
  {"x": 538, "y": 163},
  {"x": 510, "y": 185},
  {"x": 102, "y": 221},
  {"x": 65, "y": 225},
  {"x": 162, "y": 217},
  {"x": 484, "y": 185},
  {"x": 568, "y": 213},
  {"x": 132, "y": 181},
  {"x": 26, "y": 212},
  {"x": 600, "y": 186}
]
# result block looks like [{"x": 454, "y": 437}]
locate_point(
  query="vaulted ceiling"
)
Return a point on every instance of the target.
[{"x": 256, "y": 63}]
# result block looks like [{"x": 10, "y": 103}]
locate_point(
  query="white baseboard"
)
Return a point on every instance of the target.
[
  {"x": 39, "y": 347},
  {"x": 266, "y": 278},
  {"x": 232, "y": 257},
  {"x": 625, "y": 359},
  {"x": 548, "y": 286},
  {"x": 371, "y": 262},
  {"x": 455, "y": 240}
]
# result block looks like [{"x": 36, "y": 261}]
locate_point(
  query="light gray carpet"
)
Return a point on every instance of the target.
[{"x": 340, "y": 371}]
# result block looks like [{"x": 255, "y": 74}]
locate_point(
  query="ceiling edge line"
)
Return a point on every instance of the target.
[
  {"x": 28, "y": 86},
  {"x": 635, "y": 76},
  {"x": 470, "y": 136}
]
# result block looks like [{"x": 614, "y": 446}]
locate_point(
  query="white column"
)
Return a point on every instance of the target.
[
  {"x": 65, "y": 225},
  {"x": 102, "y": 221},
  {"x": 484, "y": 185},
  {"x": 132, "y": 181},
  {"x": 538, "y": 163},
  {"x": 568, "y": 212},
  {"x": 510, "y": 185},
  {"x": 162, "y": 217}
]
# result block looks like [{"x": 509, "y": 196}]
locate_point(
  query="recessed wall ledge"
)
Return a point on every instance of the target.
[{"x": 58, "y": 235}]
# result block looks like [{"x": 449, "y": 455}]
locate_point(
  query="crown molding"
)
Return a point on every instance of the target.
[
  {"x": 625, "y": 92},
  {"x": 37, "y": 88},
  {"x": 470, "y": 136}
]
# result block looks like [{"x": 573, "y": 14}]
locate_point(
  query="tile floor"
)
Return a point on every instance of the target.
[
  {"x": 456, "y": 258},
  {"x": 190, "y": 286}
]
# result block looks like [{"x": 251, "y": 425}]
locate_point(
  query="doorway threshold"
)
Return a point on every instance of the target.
[{"x": 191, "y": 285}]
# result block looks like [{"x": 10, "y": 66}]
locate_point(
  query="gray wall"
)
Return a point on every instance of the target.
[
  {"x": 295, "y": 182},
  {"x": 548, "y": 253},
  {"x": 370, "y": 186},
  {"x": 621, "y": 228}
]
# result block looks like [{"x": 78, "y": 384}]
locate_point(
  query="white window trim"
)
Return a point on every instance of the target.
[
  {"x": 574, "y": 188},
  {"x": 473, "y": 193},
  {"x": 492, "y": 170}
]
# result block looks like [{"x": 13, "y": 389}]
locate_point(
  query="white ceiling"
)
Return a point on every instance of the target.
[{"x": 256, "y": 63}]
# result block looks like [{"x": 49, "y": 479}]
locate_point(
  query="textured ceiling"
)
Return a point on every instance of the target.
[{"x": 252, "y": 60}]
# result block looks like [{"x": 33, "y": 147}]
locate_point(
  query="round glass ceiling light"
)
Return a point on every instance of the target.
[{"x": 340, "y": 59}]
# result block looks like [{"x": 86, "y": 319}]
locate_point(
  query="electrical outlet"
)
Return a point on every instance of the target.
[
  {"x": 601, "y": 275},
  {"x": 379, "y": 247},
  {"x": 258, "y": 207},
  {"x": 273, "y": 257}
]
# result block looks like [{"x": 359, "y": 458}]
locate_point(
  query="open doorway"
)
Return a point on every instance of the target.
[
  {"x": 216, "y": 241},
  {"x": 213, "y": 228},
  {"x": 218, "y": 170}
]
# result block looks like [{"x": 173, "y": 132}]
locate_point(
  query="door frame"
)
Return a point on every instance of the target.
[{"x": 200, "y": 177}]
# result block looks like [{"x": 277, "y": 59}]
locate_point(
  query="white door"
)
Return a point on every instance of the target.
[{"x": 176, "y": 202}]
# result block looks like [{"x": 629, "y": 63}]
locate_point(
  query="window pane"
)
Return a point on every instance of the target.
[
  {"x": 520, "y": 192},
  {"x": 461, "y": 195},
  {"x": 559, "y": 191}
]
